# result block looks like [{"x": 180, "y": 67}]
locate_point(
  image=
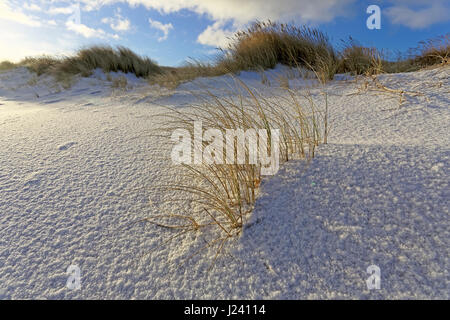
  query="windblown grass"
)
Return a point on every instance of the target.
[
  {"x": 265, "y": 44},
  {"x": 358, "y": 60},
  {"x": 7, "y": 65},
  {"x": 226, "y": 192},
  {"x": 86, "y": 60},
  {"x": 40, "y": 65},
  {"x": 434, "y": 51}
]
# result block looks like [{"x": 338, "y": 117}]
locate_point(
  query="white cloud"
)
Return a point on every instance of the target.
[
  {"x": 16, "y": 15},
  {"x": 418, "y": 14},
  {"x": 118, "y": 23},
  {"x": 215, "y": 35},
  {"x": 84, "y": 30},
  {"x": 242, "y": 11},
  {"x": 62, "y": 10},
  {"x": 32, "y": 7},
  {"x": 121, "y": 25},
  {"x": 164, "y": 28},
  {"x": 88, "y": 32}
]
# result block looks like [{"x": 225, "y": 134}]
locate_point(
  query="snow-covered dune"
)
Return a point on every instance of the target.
[{"x": 77, "y": 167}]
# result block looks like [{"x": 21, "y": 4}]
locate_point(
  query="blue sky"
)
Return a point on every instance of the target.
[{"x": 170, "y": 31}]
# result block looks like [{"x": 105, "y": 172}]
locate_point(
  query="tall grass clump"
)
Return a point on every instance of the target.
[
  {"x": 359, "y": 60},
  {"x": 264, "y": 44},
  {"x": 86, "y": 60},
  {"x": 433, "y": 51},
  {"x": 111, "y": 60},
  {"x": 40, "y": 65},
  {"x": 226, "y": 192},
  {"x": 7, "y": 65}
]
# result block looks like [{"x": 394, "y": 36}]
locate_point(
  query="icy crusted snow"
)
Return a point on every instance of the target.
[{"x": 76, "y": 166}]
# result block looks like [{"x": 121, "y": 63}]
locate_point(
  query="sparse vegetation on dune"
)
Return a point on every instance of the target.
[
  {"x": 261, "y": 46},
  {"x": 266, "y": 44},
  {"x": 171, "y": 77},
  {"x": 357, "y": 59},
  {"x": 109, "y": 60},
  {"x": 86, "y": 60},
  {"x": 7, "y": 65},
  {"x": 119, "y": 83},
  {"x": 433, "y": 51},
  {"x": 39, "y": 65}
]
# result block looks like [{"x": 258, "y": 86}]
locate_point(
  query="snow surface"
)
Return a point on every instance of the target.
[{"x": 77, "y": 167}]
